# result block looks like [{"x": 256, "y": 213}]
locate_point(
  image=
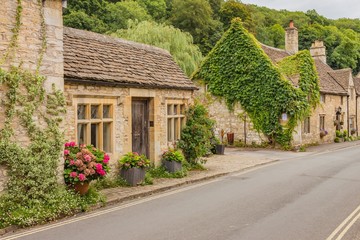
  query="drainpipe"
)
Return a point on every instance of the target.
[
  {"x": 348, "y": 118},
  {"x": 245, "y": 130}
]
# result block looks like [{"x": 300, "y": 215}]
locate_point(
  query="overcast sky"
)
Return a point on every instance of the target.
[{"x": 333, "y": 9}]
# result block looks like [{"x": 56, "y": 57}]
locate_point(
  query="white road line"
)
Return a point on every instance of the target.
[
  {"x": 342, "y": 234},
  {"x": 342, "y": 225},
  {"x": 99, "y": 213}
]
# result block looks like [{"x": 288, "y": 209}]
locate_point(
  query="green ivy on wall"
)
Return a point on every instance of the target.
[
  {"x": 238, "y": 70},
  {"x": 32, "y": 193}
]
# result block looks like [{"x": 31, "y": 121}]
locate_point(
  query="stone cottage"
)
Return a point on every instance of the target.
[
  {"x": 337, "y": 111},
  {"x": 123, "y": 96}
]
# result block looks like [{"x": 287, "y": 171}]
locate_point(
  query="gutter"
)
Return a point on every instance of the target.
[{"x": 122, "y": 84}]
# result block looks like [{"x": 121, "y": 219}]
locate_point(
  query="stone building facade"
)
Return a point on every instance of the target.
[
  {"x": 28, "y": 48},
  {"x": 123, "y": 96},
  {"x": 338, "y": 108}
]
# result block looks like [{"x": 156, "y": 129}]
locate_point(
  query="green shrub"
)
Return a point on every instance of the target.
[
  {"x": 173, "y": 155},
  {"x": 337, "y": 140},
  {"x": 196, "y": 135}
]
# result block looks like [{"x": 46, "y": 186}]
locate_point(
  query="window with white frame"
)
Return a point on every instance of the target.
[
  {"x": 322, "y": 98},
  {"x": 95, "y": 124},
  {"x": 175, "y": 121},
  {"x": 307, "y": 125}
]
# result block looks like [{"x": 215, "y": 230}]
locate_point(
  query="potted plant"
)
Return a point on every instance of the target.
[
  {"x": 220, "y": 148},
  {"x": 83, "y": 163},
  {"x": 172, "y": 160},
  {"x": 133, "y": 167},
  {"x": 323, "y": 133}
]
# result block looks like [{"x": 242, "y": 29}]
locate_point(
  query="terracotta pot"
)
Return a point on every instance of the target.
[{"x": 81, "y": 188}]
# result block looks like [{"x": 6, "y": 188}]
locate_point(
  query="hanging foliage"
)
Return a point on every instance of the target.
[{"x": 238, "y": 70}]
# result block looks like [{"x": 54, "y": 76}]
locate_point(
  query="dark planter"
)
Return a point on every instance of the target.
[
  {"x": 230, "y": 138},
  {"x": 133, "y": 176},
  {"x": 172, "y": 166},
  {"x": 220, "y": 149}
]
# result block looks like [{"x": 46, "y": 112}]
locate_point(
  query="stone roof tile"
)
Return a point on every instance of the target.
[{"x": 94, "y": 58}]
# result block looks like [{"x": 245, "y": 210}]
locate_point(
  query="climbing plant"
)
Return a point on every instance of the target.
[
  {"x": 238, "y": 70},
  {"x": 32, "y": 193}
]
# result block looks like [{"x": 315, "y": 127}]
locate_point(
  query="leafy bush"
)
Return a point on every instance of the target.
[
  {"x": 196, "y": 135},
  {"x": 133, "y": 159},
  {"x": 173, "y": 155},
  {"x": 337, "y": 140},
  {"x": 160, "y": 172}
]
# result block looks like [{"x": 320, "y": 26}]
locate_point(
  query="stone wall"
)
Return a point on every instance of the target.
[
  {"x": 122, "y": 97},
  {"x": 29, "y": 46},
  {"x": 235, "y": 121}
]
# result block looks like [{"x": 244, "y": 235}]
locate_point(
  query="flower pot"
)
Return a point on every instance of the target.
[
  {"x": 133, "y": 176},
  {"x": 230, "y": 138},
  {"x": 220, "y": 149},
  {"x": 81, "y": 188},
  {"x": 172, "y": 166}
]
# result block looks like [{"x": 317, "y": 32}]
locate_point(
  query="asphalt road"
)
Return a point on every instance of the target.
[{"x": 303, "y": 198}]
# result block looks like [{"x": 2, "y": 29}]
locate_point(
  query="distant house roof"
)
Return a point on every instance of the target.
[
  {"x": 330, "y": 80},
  {"x": 98, "y": 59},
  {"x": 342, "y": 76},
  {"x": 357, "y": 84}
]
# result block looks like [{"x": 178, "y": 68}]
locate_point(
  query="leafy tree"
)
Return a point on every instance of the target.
[
  {"x": 232, "y": 9},
  {"x": 193, "y": 16},
  {"x": 178, "y": 43},
  {"x": 316, "y": 18},
  {"x": 156, "y": 8},
  {"x": 119, "y": 13},
  {"x": 90, "y": 7},
  {"x": 215, "y": 6},
  {"x": 80, "y": 20},
  {"x": 277, "y": 34}
]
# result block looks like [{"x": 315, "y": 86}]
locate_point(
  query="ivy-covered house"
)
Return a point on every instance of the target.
[
  {"x": 123, "y": 96},
  {"x": 284, "y": 96}
]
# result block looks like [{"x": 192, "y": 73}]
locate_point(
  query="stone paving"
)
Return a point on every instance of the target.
[{"x": 234, "y": 160}]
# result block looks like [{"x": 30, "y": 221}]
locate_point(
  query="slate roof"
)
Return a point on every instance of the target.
[
  {"x": 342, "y": 76},
  {"x": 92, "y": 58},
  {"x": 331, "y": 81},
  {"x": 357, "y": 84}
]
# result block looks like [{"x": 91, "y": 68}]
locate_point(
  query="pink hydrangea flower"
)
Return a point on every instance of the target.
[
  {"x": 72, "y": 162},
  {"x": 101, "y": 172},
  {"x": 67, "y": 144},
  {"x": 99, "y": 166},
  {"x": 72, "y": 144},
  {"x": 106, "y": 159},
  {"x": 82, "y": 177},
  {"x": 87, "y": 157},
  {"x": 66, "y": 152},
  {"x": 73, "y": 174}
]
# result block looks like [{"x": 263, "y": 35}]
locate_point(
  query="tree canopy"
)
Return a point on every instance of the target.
[{"x": 206, "y": 21}]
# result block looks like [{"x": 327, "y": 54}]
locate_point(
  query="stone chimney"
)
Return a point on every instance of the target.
[
  {"x": 291, "y": 39},
  {"x": 318, "y": 50}
]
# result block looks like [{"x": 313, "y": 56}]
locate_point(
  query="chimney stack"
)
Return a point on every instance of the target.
[
  {"x": 291, "y": 39},
  {"x": 318, "y": 50}
]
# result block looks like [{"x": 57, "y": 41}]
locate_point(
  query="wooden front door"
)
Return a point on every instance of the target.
[{"x": 140, "y": 127}]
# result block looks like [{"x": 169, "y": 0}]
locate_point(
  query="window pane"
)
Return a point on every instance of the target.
[
  {"x": 95, "y": 111},
  {"x": 176, "y": 128},
  {"x": 169, "y": 110},
  {"x": 182, "y": 125},
  {"x": 176, "y": 109},
  {"x": 106, "y": 111},
  {"x": 81, "y": 133},
  {"x": 81, "y": 111},
  {"x": 169, "y": 127},
  {"x": 107, "y": 137},
  {"x": 94, "y": 134},
  {"x": 182, "y": 109}
]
